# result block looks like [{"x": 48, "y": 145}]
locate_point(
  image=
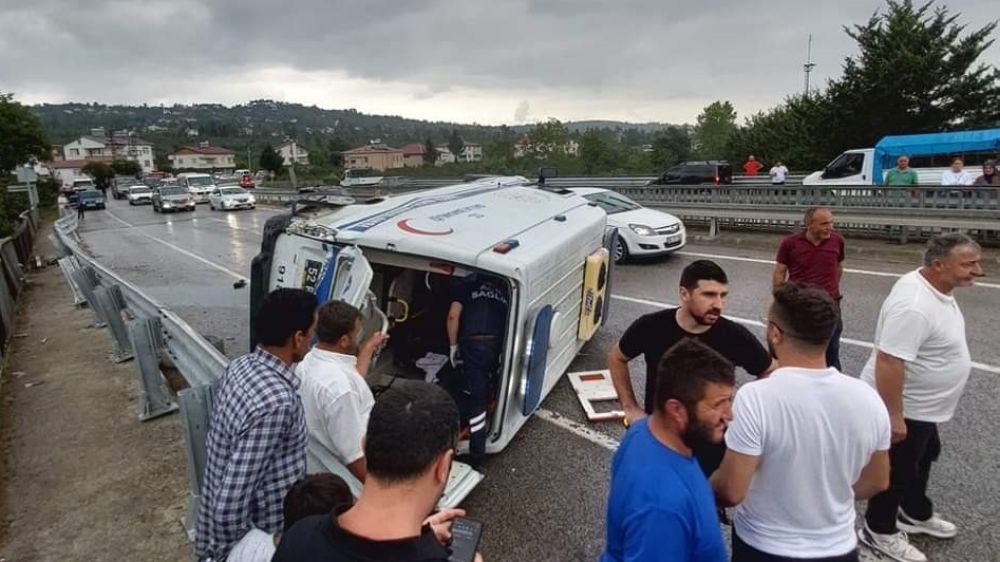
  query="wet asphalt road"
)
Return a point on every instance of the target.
[{"x": 544, "y": 496}]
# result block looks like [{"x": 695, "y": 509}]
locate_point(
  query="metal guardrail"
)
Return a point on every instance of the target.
[
  {"x": 148, "y": 332},
  {"x": 156, "y": 338},
  {"x": 15, "y": 255},
  {"x": 876, "y": 211}
]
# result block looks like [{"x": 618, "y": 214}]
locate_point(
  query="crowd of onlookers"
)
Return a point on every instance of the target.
[{"x": 791, "y": 452}]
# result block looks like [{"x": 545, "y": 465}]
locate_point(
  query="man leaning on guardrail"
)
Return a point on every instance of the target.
[{"x": 257, "y": 434}]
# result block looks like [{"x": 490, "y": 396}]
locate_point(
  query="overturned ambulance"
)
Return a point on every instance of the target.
[{"x": 394, "y": 258}]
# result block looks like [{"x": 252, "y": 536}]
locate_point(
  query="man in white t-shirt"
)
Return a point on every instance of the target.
[
  {"x": 956, "y": 175},
  {"x": 778, "y": 173},
  {"x": 335, "y": 395},
  {"x": 795, "y": 463},
  {"x": 920, "y": 365}
]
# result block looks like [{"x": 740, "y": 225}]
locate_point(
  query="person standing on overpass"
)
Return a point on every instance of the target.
[
  {"x": 919, "y": 365},
  {"x": 815, "y": 255},
  {"x": 902, "y": 174},
  {"x": 751, "y": 166},
  {"x": 703, "y": 291},
  {"x": 807, "y": 461},
  {"x": 778, "y": 173}
]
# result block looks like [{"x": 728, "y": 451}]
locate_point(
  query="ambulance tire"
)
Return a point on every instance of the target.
[{"x": 621, "y": 251}]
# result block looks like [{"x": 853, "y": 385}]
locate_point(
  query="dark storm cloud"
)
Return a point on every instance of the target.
[{"x": 127, "y": 50}]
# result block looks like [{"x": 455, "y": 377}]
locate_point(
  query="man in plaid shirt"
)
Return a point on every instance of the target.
[{"x": 257, "y": 435}]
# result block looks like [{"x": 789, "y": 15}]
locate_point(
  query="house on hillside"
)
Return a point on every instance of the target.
[
  {"x": 471, "y": 152},
  {"x": 523, "y": 147},
  {"x": 292, "y": 151},
  {"x": 413, "y": 155},
  {"x": 374, "y": 156},
  {"x": 204, "y": 157},
  {"x": 120, "y": 145},
  {"x": 65, "y": 171}
]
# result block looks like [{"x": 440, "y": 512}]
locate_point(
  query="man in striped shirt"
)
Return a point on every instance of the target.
[{"x": 257, "y": 434}]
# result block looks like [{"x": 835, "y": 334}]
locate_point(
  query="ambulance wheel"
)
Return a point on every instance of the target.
[{"x": 621, "y": 251}]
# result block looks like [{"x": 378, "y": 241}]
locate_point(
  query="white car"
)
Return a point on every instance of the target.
[
  {"x": 228, "y": 198},
  {"x": 140, "y": 195},
  {"x": 641, "y": 231}
]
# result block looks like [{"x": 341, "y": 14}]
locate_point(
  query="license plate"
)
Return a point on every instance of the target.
[
  {"x": 673, "y": 239},
  {"x": 311, "y": 275}
]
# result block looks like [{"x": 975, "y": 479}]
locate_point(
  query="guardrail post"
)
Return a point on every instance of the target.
[
  {"x": 145, "y": 334},
  {"x": 196, "y": 411},
  {"x": 113, "y": 315},
  {"x": 713, "y": 227},
  {"x": 86, "y": 281},
  {"x": 68, "y": 265}
]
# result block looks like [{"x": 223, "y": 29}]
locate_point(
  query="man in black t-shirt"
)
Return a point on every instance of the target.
[
  {"x": 703, "y": 291},
  {"x": 409, "y": 446}
]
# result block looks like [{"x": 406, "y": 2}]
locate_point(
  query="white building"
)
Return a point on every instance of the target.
[
  {"x": 471, "y": 152},
  {"x": 65, "y": 171},
  {"x": 288, "y": 149},
  {"x": 204, "y": 158},
  {"x": 119, "y": 146}
]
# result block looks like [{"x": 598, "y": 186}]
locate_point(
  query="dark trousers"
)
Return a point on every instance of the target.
[
  {"x": 480, "y": 357},
  {"x": 833, "y": 348},
  {"x": 742, "y": 552},
  {"x": 910, "y": 469},
  {"x": 80, "y": 211}
]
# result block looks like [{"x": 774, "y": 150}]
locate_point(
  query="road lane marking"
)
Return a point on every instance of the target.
[
  {"x": 757, "y": 323},
  {"x": 191, "y": 255},
  {"x": 846, "y": 269},
  {"x": 561, "y": 421}
]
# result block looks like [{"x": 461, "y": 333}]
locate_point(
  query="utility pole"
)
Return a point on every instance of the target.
[
  {"x": 291, "y": 165},
  {"x": 809, "y": 65},
  {"x": 249, "y": 160}
]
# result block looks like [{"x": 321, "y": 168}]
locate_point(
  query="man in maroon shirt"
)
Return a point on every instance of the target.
[{"x": 815, "y": 255}]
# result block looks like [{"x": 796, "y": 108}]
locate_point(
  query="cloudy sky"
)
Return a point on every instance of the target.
[{"x": 485, "y": 61}]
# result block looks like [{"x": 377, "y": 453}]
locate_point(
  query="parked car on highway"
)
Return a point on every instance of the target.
[
  {"x": 229, "y": 198},
  {"x": 641, "y": 231},
  {"x": 247, "y": 181},
  {"x": 139, "y": 195},
  {"x": 172, "y": 198},
  {"x": 716, "y": 172},
  {"x": 90, "y": 199}
]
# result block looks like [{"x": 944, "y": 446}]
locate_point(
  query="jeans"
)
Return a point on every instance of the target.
[
  {"x": 910, "y": 469},
  {"x": 742, "y": 552},
  {"x": 480, "y": 358},
  {"x": 833, "y": 348}
]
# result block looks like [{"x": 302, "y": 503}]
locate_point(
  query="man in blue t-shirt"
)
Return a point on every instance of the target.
[
  {"x": 477, "y": 321},
  {"x": 661, "y": 507}
]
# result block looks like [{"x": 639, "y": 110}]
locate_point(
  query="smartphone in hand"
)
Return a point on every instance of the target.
[{"x": 465, "y": 535}]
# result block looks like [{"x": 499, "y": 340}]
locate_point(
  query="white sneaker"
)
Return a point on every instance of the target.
[
  {"x": 895, "y": 546},
  {"x": 935, "y": 526}
]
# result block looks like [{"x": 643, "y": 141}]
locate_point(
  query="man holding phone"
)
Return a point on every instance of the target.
[{"x": 390, "y": 520}]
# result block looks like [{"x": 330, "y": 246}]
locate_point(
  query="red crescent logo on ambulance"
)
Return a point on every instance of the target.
[{"x": 405, "y": 226}]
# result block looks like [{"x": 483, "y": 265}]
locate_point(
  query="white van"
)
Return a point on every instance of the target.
[
  {"x": 930, "y": 156},
  {"x": 200, "y": 186},
  {"x": 395, "y": 258}
]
